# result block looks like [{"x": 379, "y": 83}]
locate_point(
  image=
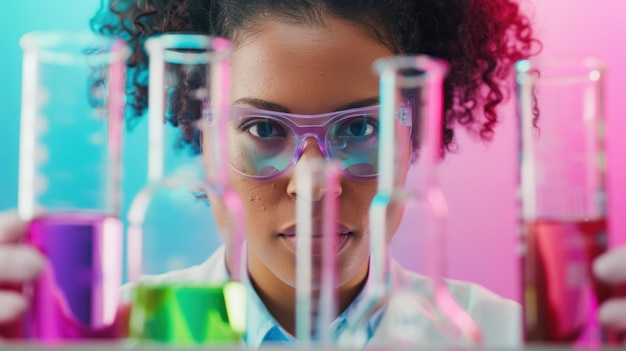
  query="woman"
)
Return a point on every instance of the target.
[{"x": 314, "y": 57}]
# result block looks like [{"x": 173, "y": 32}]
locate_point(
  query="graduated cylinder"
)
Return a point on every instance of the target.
[
  {"x": 69, "y": 190},
  {"x": 563, "y": 196}
]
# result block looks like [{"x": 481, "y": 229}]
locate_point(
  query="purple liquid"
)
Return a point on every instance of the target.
[
  {"x": 76, "y": 297},
  {"x": 560, "y": 292}
]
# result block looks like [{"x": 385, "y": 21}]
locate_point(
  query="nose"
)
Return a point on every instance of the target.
[{"x": 313, "y": 162}]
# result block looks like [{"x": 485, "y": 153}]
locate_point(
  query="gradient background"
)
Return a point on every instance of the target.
[{"x": 478, "y": 180}]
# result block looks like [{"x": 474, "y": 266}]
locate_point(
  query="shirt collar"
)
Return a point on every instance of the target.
[{"x": 263, "y": 328}]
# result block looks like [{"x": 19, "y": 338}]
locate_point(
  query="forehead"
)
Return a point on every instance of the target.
[{"x": 307, "y": 69}]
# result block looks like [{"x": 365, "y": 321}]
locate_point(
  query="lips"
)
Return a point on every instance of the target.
[{"x": 342, "y": 237}]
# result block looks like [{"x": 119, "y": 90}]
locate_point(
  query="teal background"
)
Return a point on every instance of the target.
[
  {"x": 179, "y": 229},
  {"x": 16, "y": 19}
]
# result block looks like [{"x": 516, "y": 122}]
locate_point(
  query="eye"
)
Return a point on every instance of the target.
[
  {"x": 264, "y": 128},
  {"x": 362, "y": 126}
]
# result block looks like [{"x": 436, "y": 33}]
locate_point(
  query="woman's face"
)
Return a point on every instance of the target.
[{"x": 303, "y": 69}]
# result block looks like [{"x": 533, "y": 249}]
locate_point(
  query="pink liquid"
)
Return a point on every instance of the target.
[
  {"x": 76, "y": 297},
  {"x": 560, "y": 294}
]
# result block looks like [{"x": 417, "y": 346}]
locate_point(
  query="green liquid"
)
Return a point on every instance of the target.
[{"x": 189, "y": 315}]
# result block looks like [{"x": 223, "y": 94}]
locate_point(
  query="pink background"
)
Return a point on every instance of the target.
[{"x": 479, "y": 179}]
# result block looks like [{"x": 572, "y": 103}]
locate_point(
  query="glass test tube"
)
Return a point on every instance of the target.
[
  {"x": 563, "y": 197},
  {"x": 188, "y": 114},
  {"x": 69, "y": 189},
  {"x": 411, "y": 95},
  {"x": 317, "y": 242}
]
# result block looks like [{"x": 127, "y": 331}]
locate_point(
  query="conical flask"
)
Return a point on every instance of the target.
[
  {"x": 182, "y": 294},
  {"x": 418, "y": 312}
]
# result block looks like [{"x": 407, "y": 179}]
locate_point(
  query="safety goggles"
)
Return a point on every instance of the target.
[{"x": 266, "y": 144}]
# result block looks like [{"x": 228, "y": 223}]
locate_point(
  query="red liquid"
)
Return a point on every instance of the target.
[
  {"x": 76, "y": 297},
  {"x": 560, "y": 293}
]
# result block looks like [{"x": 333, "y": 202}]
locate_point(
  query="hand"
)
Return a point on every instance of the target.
[
  {"x": 610, "y": 268},
  {"x": 18, "y": 264}
]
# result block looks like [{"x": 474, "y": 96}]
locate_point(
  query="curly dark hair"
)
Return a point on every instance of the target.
[{"x": 480, "y": 39}]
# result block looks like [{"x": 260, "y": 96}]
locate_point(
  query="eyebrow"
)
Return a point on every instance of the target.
[
  {"x": 270, "y": 106},
  {"x": 374, "y": 100}
]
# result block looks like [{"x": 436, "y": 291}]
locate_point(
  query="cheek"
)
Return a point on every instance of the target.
[
  {"x": 261, "y": 204},
  {"x": 357, "y": 201},
  {"x": 258, "y": 198}
]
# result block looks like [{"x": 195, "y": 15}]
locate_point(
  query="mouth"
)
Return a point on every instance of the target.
[{"x": 335, "y": 241}]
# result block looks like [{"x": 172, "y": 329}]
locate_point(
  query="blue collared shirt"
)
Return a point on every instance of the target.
[{"x": 264, "y": 329}]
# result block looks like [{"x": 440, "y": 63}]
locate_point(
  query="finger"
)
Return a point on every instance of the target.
[
  {"x": 613, "y": 313},
  {"x": 12, "y": 306},
  {"x": 12, "y": 227},
  {"x": 19, "y": 263},
  {"x": 611, "y": 266}
]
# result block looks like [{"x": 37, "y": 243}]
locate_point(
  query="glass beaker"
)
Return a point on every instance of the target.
[
  {"x": 563, "y": 196},
  {"x": 422, "y": 313},
  {"x": 69, "y": 190},
  {"x": 179, "y": 297}
]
